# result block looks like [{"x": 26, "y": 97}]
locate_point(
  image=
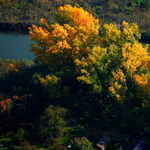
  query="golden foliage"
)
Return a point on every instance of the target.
[
  {"x": 134, "y": 56},
  {"x": 73, "y": 44},
  {"x": 142, "y": 81},
  {"x": 49, "y": 80},
  {"x": 58, "y": 46},
  {"x": 145, "y": 103},
  {"x": 110, "y": 34},
  {"x": 118, "y": 85},
  {"x": 78, "y": 18},
  {"x": 51, "y": 85},
  {"x": 13, "y": 65},
  {"x": 85, "y": 67}
]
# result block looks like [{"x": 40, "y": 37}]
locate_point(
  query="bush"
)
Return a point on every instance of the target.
[
  {"x": 11, "y": 147},
  {"x": 20, "y": 136},
  {"x": 25, "y": 145},
  {"x": 52, "y": 124},
  {"x": 81, "y": 144},
  {"x": 58, "y": 147}
]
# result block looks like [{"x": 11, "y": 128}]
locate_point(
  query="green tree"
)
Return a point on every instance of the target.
[
  {"x": 81, "y": 144},
  {"x": 52, "y": 124},
  {"x": 20, "y": 136}
]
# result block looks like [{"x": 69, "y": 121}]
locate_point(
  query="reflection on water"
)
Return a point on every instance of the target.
[{"x": 15, "y": 45}]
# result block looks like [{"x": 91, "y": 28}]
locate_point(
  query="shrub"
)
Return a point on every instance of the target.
[
  {"x": 25, "y": 145},
  {"x": 11, "y": 147},
  {"x": 20, "y": 136},
  {"x": 58, "y": 147},
  {"x": 81, "y": 144},
  {"x": 52, "y": 124},
  {"x": 35, "y": 148}
]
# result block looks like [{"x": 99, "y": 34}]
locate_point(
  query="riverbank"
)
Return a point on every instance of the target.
[
  {"x": 13, "y": 19},
  {"x": 18, "y": 15}
]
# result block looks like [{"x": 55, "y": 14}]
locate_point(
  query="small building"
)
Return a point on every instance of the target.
[
  {"x": 140, "y": 145},
  {"x": 102, "y": 143}
]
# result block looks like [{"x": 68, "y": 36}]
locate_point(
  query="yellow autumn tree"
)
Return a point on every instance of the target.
[
  {"x": 110, "y": 66},
  {"x": 110, "y": 34},
  {"x": 59, "y": 45},
  {"x": 129, "y": 84}
]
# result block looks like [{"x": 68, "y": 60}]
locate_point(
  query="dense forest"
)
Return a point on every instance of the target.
[
  {"x": 20, "y": 14},
  {"x": 89, "y": 78}
]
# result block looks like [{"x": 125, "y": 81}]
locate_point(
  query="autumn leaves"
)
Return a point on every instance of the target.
[{"x": 114, "y": 58}]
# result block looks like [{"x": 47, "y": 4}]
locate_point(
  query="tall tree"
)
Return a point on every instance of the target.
[{"x": 108, "y": 70}]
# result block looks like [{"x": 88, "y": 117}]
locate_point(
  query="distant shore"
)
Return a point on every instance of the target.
[
  {"x": 18, "y": 16},
  {"x": 22, "y": 26},
  {"x": 14, "y": 27}
]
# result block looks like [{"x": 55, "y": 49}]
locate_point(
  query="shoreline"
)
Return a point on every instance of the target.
[
  {"x": 23, "y": 27},
  {"x": 19, "y": 15},
  {"x": 15, "y": 27}
]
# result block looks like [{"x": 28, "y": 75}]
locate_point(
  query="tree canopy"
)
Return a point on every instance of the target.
[{"x": 109, "y": 69}]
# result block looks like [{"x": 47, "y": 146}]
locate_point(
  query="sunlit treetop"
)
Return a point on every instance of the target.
[
  {"x": 71, "y": 38},
  {"x": 135, "y": 57},
  {"x": 110, "y": 34},
  {"x": 112, "y": 64},
  {"x": 63, "y": 14},
  {"x": 131, "y": 32},
  {"x": 77, "y": 17}
]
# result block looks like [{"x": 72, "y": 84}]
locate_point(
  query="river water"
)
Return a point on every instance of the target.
[{"x": 15, "y": 45}]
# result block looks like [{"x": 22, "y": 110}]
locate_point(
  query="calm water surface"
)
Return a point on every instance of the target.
[{"x": 15, "y": 45}]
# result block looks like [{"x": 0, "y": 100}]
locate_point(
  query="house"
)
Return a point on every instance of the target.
[
  {"x": 140, "y": 145},
  {"x": 102, "y": 143}
]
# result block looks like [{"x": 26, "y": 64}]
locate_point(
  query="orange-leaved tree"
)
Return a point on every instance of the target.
[
  {"x": 5, "y": 105},
  {"x": 60, "y": 44}
]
